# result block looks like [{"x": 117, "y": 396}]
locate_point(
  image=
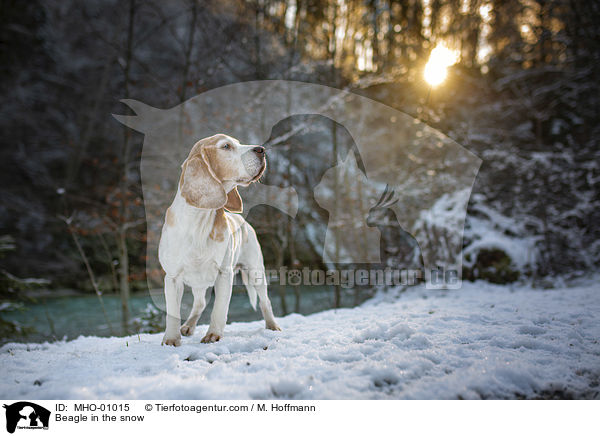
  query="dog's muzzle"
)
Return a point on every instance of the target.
[{"x": 254, "y": 162}]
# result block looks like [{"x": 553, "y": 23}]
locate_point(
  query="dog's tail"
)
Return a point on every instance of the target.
[{"x": 249, "y": 288}]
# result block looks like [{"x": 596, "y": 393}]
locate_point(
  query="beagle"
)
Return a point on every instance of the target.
[{"x": 204, "y": 242}]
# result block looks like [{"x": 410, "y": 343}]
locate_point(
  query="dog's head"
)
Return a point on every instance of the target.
[{"x": 215, "y": 167}]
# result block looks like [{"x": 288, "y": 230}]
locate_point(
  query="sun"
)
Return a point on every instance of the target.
[{"x": 440, "y": 59}]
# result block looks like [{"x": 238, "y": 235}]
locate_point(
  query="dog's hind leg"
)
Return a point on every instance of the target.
[
  {"x": 256, "y": 282},
  {"x": 253, "y": 276},
  {"x": 187, "y": 329}
]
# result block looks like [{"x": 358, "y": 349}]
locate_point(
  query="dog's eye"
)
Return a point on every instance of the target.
[{"x": 226, "y": 147}]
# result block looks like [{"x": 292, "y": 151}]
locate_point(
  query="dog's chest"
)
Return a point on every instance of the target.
[
  {"x": 192, "y": 257},
  {"x": 187, "y": 250}
]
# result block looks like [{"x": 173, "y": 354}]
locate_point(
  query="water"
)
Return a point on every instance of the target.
[{"x": 56, "y": 318}]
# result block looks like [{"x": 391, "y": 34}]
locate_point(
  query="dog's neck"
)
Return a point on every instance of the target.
[
  {"x": 192, "y": 217},
  {"x": 211, "y": 221}
]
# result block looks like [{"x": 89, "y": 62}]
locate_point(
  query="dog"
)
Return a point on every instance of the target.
[{"x": 205, "y": 242}]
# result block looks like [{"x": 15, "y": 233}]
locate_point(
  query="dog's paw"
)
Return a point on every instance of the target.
[
  {"x": 187, "y": 330},
  {"x": 175, "y": 342},
  {"x": 273, "y": 326},
  {"x": 210, "y": 337}
]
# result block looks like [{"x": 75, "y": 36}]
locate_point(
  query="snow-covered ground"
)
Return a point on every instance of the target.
[{"x": 482, "y": 341}]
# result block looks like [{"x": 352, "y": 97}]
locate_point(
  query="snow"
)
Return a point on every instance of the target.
[
  {"x": 448, "y": 212},
  {"x": 489, "y": 229},
  {"x": 482, "y": 341}
]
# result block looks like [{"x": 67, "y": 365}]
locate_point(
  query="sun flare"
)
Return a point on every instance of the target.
[{"x": 440, "y": 59}]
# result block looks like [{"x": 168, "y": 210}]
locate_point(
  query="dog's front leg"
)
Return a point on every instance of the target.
[
  {"x": 218, "y": 317},
  {"x": 173, "y": 294}
]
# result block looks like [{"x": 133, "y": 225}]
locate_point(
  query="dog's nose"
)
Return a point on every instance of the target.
[{"x": 259, "y": 150}]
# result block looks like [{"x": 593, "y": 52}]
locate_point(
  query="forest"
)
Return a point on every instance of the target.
[{"x": 517, "y": 86}]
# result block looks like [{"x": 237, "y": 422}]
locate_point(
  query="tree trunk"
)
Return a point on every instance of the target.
[
  {"x": 123, "y": 187},
  {"x": 109, "y": 259},
  {"x": 124, "y": 280},
  {"x": 188, "y": 51},
  {"x": 337, "y": 292},
  {"x": 281, "y": 288},
  {"x": 337, "y": 295}
]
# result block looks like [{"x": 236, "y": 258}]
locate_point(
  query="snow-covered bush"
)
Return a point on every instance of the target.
[{"x": 497, "y": 248}]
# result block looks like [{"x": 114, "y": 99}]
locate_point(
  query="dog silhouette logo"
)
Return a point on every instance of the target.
[
  {"x": 348, "y": 195},
  {"x": 431, "y": 176},
  {"x": 26, "y": 415}
]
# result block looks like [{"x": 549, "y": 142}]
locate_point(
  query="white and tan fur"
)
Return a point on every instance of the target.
[{"x": 203, "y": 244}]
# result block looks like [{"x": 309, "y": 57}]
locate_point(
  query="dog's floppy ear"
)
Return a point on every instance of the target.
[
  {"x": 199, "y": 186},
  {"x": 234, "y": 201}
]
